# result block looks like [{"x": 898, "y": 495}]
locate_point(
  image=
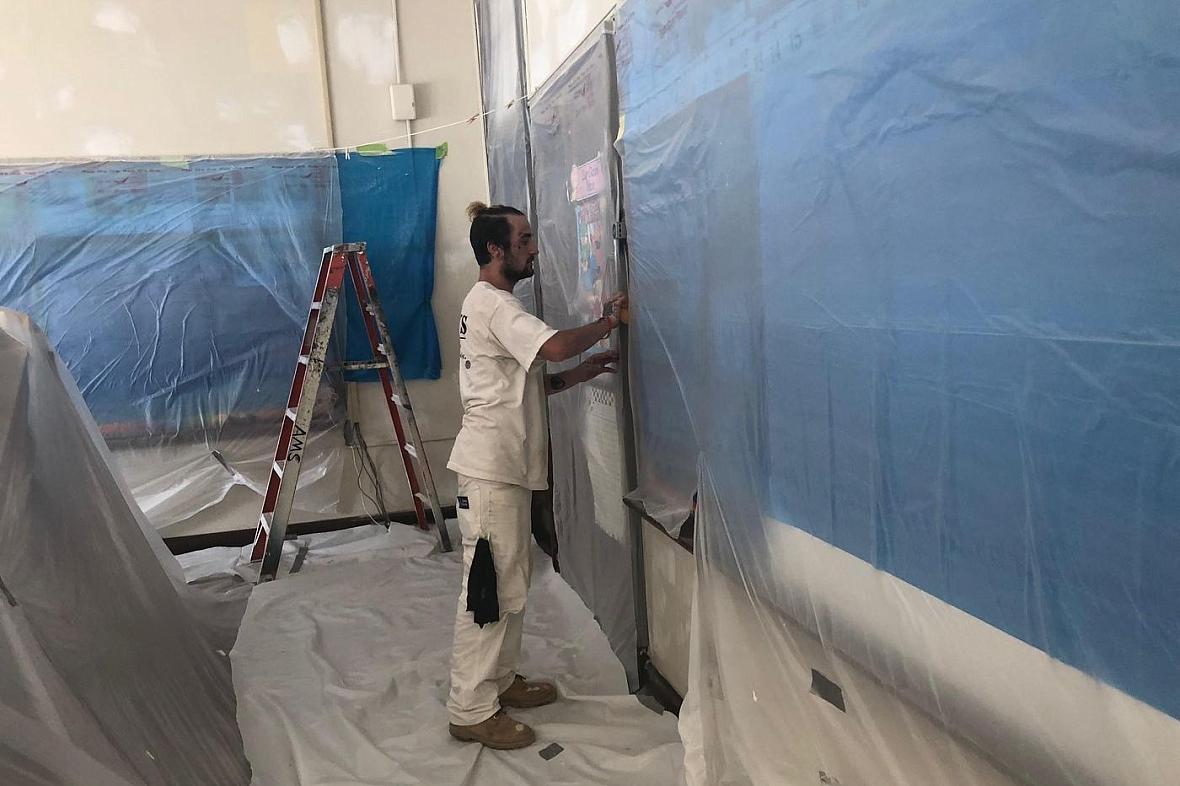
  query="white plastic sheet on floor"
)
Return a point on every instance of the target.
[
  {"x": 342, "y": 673},
  {"x": 106, "y": 677}
]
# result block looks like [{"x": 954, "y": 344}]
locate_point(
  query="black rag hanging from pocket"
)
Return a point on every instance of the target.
[{"x": 481, "y": 585}]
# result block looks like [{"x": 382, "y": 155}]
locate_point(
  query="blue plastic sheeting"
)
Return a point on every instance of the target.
[
  {"x": 174, "y": 295},
  {"x": 905, "y": 279},
  {"x": 391, "y": 203}
]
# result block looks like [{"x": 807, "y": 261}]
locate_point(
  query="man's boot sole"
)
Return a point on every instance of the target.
[
  {"x": 526, "y": 705},
  {"x": 462, "y": 735}
]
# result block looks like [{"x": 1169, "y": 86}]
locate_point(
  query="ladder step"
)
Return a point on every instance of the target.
[
  {"x": 381, "y": 349},
  {"x": 396, "y": 399},
  {"x": 277, "y": 469},
  {"x": 317, "y": 304},
  {"x": 290, "y": 413},
  {"x": 264, "y": 521},
  {"x": 422, "y": 495},
  {"x": 365, "y": 365},
  {"x": 408, "y": 448},
  {"x": 303, "y": 360}
]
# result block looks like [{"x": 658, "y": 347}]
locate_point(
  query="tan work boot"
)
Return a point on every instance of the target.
[
  {"x": 523, "y": 694},
  {"x": 501, "y": 732}
]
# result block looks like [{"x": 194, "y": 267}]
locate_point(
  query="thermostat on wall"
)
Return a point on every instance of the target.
[{"x": 401, "y": 99}]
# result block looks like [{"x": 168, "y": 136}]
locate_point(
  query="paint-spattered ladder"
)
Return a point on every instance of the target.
[{"x": 284, "y": 473}]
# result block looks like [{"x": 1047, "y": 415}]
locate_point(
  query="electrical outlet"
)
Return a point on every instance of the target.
[
  {"x": 827, "y": 690},
  {"x": 401, "y": 102}
]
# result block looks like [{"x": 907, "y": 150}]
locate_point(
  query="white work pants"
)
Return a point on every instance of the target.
[{"x": 484, "y": 660}]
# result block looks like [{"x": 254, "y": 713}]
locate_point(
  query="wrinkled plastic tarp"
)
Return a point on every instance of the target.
[
  {"x": 903, "y": 282},
  {"x": 573, "y": 130},
  {"x": 175, "y": 295},
  {"x": 390, "y": 202},
  {"x": 105, "y": 678}
]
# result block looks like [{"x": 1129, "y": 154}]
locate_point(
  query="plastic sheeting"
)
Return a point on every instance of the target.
[
  {"x": 175, "y": 294},
  {"x": 506, "y": 133},
  {"x": 501, "y": 70},
  {"x": 391, "y": 203},
  {"x": 105, "y": 678},
  {"x": 904, "y": 303},
  {"x": 342, "y": 673},
  {"x": 573, "y": 130}
]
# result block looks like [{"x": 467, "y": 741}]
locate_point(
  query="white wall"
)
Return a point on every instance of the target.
[
  {"x": 669, "y": 574},
  {"x": 86, "y": 78}
]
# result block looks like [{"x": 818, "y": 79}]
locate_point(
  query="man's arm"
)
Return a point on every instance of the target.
[
  {"x": 566, "y": 344},
  {"x": 595, "y": 365}
]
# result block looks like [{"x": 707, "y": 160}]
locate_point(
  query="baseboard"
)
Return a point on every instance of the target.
[
  {"x": 242, "y": 537},
  {"x": 657, "y": 686}
]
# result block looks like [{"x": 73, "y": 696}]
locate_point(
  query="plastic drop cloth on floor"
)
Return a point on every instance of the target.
[{"x": 342, "y": 673}]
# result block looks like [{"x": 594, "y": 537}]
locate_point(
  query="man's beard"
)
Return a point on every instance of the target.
[{"x": 517, "y": 274}]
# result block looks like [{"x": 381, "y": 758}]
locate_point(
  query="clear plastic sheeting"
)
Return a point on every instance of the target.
[
  {"x": 176, "y": 295},
  {"x": 573, "y": 130},
  {"x": 904, "y": 304},
  {"x": 501, "y": 67},
  {"x": 105, "y": 678},
  {"x": 502, "y": 89}
]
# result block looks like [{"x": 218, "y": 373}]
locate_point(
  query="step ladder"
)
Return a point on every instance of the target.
[{"x": 293, "y": 436}]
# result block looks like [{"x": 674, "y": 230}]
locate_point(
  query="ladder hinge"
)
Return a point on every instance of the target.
[{"x": 619, "y": 230}]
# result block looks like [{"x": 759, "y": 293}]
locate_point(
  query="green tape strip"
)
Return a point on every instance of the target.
[
  {"x": 375, "y": 149},
  {"x": 441, "y": 151}
]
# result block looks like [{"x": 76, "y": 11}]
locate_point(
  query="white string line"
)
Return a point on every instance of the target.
[{"x": 416, "y": 132}]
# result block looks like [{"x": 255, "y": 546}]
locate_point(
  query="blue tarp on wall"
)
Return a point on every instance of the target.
[{"x": 390, "y": 202}]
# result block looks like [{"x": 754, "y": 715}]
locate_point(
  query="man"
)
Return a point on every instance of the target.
[{"x": 500, "y": 458}]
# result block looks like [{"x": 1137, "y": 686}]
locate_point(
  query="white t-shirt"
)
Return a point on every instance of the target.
[{"x": 504, "y": 436}]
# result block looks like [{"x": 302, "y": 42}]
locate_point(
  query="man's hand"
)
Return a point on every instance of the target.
[
  {"x": 591, "y": 367},
  {"x": 616, "y": 308},
  {"x": 597, "y": 365}
]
